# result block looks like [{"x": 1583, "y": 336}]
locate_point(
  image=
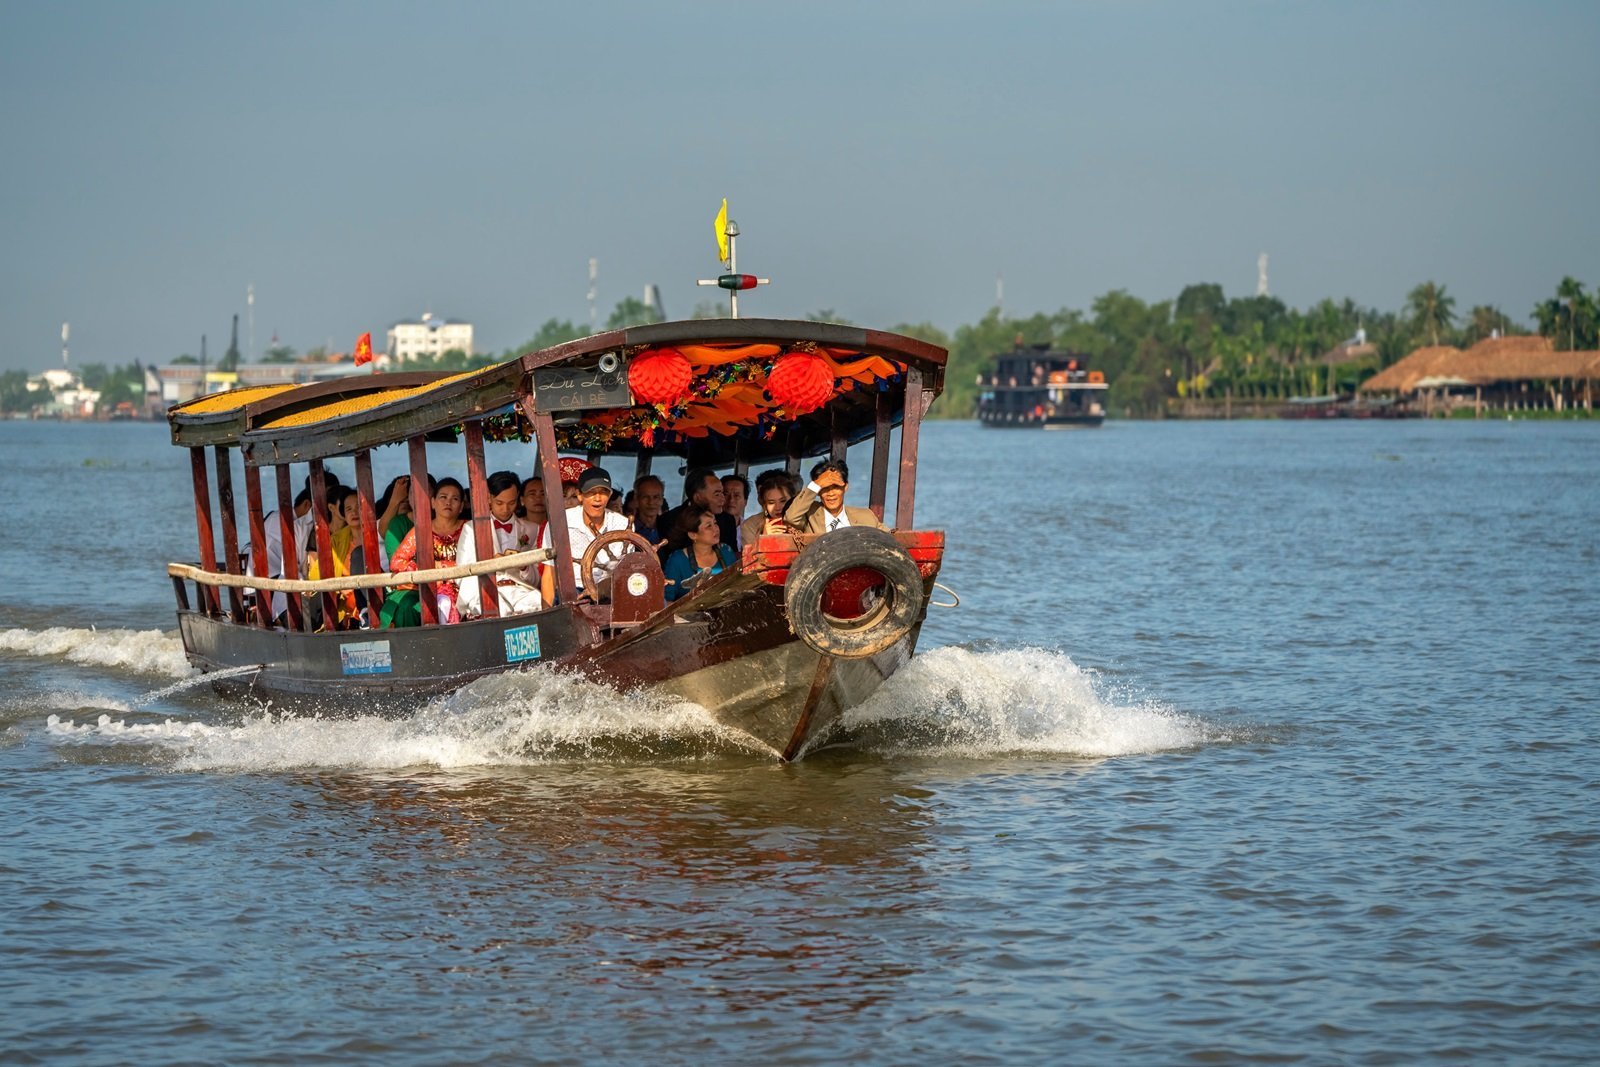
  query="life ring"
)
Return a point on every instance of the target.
[
  {"x": 825, "y": 593},
  {"x": 606, "y": 541}
]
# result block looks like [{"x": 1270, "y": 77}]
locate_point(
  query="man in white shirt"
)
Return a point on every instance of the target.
[
  {"x": 273, "y": 542},
  {"x": 586, "y": 521},
  {"x": 518, "y": 589}
]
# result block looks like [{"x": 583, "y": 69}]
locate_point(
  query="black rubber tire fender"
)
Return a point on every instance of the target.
[{"x": 831, "y": 555}]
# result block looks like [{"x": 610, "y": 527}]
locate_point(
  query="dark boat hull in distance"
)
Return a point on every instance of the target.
[
  {"x": 1030, "y": 421},
  {"x": 1035, "y": 387}
]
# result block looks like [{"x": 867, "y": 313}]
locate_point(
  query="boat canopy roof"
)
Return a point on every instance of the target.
[{"x": 725, "y": 413}]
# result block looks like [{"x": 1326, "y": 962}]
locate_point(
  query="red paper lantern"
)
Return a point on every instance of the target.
[
  {"x": 800, "y": 382},
  {"x": 659, "y": 377}
]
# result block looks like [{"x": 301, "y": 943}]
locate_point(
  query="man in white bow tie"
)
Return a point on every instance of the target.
[{"x": 519, "y": 588}]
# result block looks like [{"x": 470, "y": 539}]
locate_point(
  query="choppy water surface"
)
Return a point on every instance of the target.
[{"x": 1250, "y": 742}]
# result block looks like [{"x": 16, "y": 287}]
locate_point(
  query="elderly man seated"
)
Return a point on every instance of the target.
[
  {"x": 517, "y": 589},
  {"x": 820, "y": 507}
]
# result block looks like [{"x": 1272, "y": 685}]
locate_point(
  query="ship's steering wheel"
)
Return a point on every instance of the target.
[{"x": 615, "y": 545}]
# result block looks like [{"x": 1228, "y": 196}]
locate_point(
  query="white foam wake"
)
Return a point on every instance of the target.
[
  {"x": 509, "y": 719},
  {"x": 947, "y": 702},
  {"x": 953, "y": 701},
  {"x": 143, "y": 651}
]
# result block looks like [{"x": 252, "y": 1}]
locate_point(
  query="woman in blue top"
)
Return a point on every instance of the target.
[{"x": 704, "y": 554}]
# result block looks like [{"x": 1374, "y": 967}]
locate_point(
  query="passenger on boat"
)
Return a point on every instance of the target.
[
  {"x": 649, "y": 498},
  {"x": 517, "y": 589},
  {"x": 345, "y": 504},
  {"x": 615, "y": 503},
  {"x": 587, "y": 521},
  {"x": 394, "y": 513},
  {"x": 736, "y": 497},
  {"x": 533, "y": 504},
  {"x": 702, "y": 554},
  {"x": 273, "y": 541},
  {"x": 570, "y": 494},
  {"x": 402, "y": 606},
  {"x": 820, "y": 507},
  {"x": 701, "y": 486},
  {"x": 774, "y": 490}
]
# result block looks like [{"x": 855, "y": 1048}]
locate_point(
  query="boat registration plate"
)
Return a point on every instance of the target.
[
  {"x": 365, "y": 657},
  {"x": 522, "y": 643}
]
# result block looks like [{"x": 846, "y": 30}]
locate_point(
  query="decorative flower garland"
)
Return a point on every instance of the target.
[{"x": 659, "y": 424}]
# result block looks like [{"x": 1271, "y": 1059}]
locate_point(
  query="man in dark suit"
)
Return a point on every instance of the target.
[
  {"x": 820, "y": 507},
  {"x": 701, "y": 486}
]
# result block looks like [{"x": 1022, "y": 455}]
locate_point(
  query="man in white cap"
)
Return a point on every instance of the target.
[{"x": 586, "y": 521}]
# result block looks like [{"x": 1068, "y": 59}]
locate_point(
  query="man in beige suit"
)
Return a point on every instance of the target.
[{"x": 820, "y": 508}]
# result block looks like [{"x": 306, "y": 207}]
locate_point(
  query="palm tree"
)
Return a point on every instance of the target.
[
  {"x": 1432, "y": 309},
  {"x": 1571, "y": 312},
  {"x": 1580, "y": 313},
  {"x": 1485, "y": 319}
]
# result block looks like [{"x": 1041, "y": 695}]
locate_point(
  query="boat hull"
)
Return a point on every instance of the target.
[
  {"x": 728, "y": 649},
  {"x": 1001, "y": 421}
]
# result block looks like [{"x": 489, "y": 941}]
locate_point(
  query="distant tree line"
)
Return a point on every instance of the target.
[
  {"x": 1201, "y": 344},
  {"x": 1206, "y": 345}
]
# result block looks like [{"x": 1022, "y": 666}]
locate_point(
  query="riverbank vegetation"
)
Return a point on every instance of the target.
[{"x": 1201, "y": 345}]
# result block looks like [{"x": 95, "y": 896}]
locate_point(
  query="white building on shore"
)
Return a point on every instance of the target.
[
  {"x": 62, "y": 395},
  {"x": 428, "y": 337}
]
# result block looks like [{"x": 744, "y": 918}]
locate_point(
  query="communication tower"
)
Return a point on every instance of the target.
[
  {"x": 66, "y": 330},
  {"x": 1261, "y": 276}
]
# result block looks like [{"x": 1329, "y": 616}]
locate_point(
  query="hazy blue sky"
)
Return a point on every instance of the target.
[{"x": 360, "y": 163}]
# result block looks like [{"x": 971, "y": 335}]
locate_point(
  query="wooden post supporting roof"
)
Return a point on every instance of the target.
[
  {"x": 324, "y": 536},
  {"x": 258, "y": 541},
  {"x": 291, "y": 551},
  {"x": 209, "y": 604},
  {"x": 230, "y": 528},
  {"x": 791, "y": 459},
  {"x": 545, "y": 431},
  {"x": 370, "y": 551},
  {"x": 904, "y": 518},
  {"x": 422, "y": 515},
  {"x": 482, "y": 532},
  {"x": 839, "y": 446},
  {"x": 880, "y": 455}
]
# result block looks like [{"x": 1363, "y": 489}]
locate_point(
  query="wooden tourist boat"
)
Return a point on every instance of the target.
[
  {"x": 1033, "y": 386},
  {"x": 777, "y": 647}
]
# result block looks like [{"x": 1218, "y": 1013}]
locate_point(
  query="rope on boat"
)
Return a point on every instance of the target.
[
  {"x": 955, "y": 601},
  {"x": 360, "y": 581}
]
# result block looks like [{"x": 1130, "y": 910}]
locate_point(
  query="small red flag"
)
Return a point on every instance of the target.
[{"x": 364, "y": 349}]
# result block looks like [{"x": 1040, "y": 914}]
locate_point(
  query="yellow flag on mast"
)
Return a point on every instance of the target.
[{"x": 722, "y": 231}]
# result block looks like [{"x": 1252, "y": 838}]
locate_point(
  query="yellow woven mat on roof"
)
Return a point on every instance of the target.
[
  {"x": 228, "y": 401},
  {"x": 351, "y": 404}
]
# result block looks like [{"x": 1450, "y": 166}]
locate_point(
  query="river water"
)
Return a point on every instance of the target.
[{"x": 1249, "y": 742}]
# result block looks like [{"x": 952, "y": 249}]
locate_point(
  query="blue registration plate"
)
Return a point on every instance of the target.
[
  {"x": 522, "y": 643},
  {"x": 365, "y": 657}
]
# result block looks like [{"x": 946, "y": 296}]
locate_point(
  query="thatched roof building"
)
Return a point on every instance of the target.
[{"x": 1491, "y": 361}]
